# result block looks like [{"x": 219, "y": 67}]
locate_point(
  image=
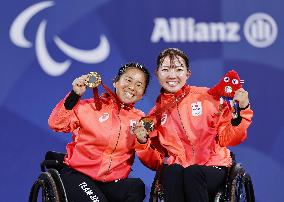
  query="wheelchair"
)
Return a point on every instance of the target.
[
  {"x": 237, "y": 187},
  {"x": 49, "y": 181}
]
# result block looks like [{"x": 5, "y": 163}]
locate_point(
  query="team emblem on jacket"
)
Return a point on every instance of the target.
[
  {"x": 104, "y": 117},
  {"x": 196, "y": 108},
  {"x": 164, "y": 119}
]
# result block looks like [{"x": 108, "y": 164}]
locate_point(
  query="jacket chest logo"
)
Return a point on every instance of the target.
[
  {"x": 196, "y": 109},
  {"x": 104, "y": 117}
]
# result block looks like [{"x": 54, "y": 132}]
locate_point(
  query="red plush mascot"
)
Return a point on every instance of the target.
[{"x": 225, "y": 89}]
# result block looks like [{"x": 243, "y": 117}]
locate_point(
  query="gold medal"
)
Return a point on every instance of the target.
[
  {"x": 148, "y": 124},
  {"x": 94, "y": 80}
]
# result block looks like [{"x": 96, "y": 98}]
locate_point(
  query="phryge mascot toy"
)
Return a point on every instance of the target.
[{"x": 225, "y": 89}]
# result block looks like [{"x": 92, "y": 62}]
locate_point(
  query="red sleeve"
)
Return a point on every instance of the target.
[
  {"x": 63, "y": 120},
  {"x": 149, "y": 155},
  {"x": 229, "y": 135}
]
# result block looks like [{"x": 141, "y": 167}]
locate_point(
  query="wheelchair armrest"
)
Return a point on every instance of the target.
[
  {"x": 52, "y": 160},
  {"x": 52, "y": 155}
]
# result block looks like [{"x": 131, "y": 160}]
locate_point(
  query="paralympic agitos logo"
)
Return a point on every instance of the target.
[{"x": 48, "y": 64}]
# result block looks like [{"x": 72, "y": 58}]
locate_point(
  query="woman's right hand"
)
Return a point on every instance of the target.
[
  {"x": 141, "y": 133},
  {"x": 79, "y": 86}
]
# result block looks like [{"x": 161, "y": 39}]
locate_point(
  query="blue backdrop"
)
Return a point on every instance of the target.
[{"x": 44, "y": 45}]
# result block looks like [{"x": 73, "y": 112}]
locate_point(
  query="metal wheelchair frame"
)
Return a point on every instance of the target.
[{"x": 49, "y": 181}]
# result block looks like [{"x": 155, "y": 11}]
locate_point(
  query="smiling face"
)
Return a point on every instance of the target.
[
  {"x": 172, "y": 73},
  {"x": 131, "y": 85}
]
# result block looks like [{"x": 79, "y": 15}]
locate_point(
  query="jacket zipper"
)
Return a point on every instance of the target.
[
  {"x": 110, "y": 158},
  {"x": 188, "y": 137}
]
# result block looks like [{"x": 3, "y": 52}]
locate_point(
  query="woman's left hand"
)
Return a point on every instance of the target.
[
  {"x": 241, "y": 96},
  {"x": 141, "y": 133}
]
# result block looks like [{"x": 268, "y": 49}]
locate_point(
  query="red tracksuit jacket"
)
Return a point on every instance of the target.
[
  {"x": 103, "y": 142},
  {"x": 194, "y": 131}
]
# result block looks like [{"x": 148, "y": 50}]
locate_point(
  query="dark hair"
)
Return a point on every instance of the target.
[
  {"x": 133, "y": 65},
  {"x": 172, "y": 52}
]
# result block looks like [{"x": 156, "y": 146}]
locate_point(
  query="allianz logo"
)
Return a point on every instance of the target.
[{"x": 260, "y": 30}]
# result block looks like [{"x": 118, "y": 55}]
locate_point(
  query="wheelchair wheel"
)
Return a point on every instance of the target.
[
  {"x": 249, "y": 188},
  {"x": 59, "y": 184},
  {"x": 241, "y": 187},
  {"x": 46, "y": 183},
  {"x": 34, "y": 190},
  {"x": 157, "y": 192}
]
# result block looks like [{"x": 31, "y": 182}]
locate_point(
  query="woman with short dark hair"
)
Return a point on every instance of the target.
[{"x": 99, "y": 159}]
